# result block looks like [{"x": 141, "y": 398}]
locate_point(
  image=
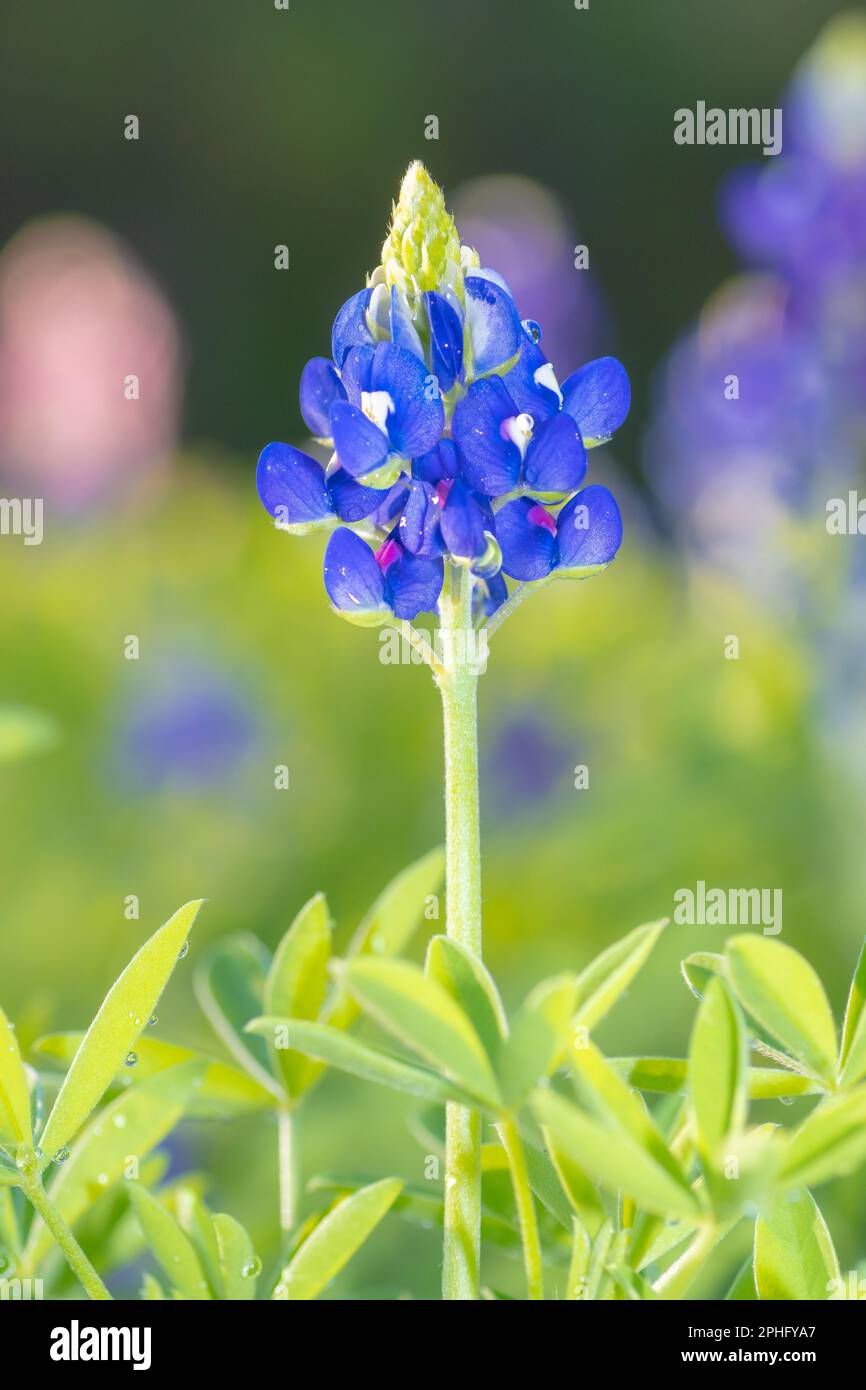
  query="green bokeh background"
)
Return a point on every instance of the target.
[{"x": 261, "y": 127}]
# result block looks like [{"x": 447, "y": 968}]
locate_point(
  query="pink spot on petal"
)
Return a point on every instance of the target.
[
  {"x": 539, "y": 516},
  {"x": 387, "y": 555}
]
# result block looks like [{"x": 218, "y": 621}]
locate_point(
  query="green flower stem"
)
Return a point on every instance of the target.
[
  {"x": 527, "y": 1220},
  {"x": 289, "y": 1166},
  {"x": 679, "y": 1276},
  {"x": 75, "y": 1256},
  {"x": 458, "y": 684}
]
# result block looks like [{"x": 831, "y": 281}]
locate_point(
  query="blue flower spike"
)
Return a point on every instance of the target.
[{"x": 454, "y": 449}]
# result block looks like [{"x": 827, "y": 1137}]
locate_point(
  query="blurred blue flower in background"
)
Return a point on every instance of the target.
[{"x": 190, "y": 728}]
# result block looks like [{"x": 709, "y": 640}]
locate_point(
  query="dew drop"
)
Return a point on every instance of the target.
[
  {"x": 183, "y": 950},
  {"x": 61, "y": 1155},
  {"x": 152, "y": 1021},
  {"x": 252, "y": 1269},
  {"x": 102, "y": 1179},
  {"x": 130, "y": 1059},
  {"x": 119, "y": 1121}
]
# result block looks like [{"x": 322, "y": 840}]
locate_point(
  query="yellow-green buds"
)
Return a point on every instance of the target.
[{"x": 422, "y": 249}]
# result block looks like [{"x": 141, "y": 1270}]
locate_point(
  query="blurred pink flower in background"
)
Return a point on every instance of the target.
[
  {"x": 78, "y": 317},
  {"x": 523, "y": 229}
]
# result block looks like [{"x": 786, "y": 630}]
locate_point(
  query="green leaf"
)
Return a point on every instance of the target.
[
  {"x": 239, "y": 1263},
  {"x": 852, "y": 1054},
  {"x": 225, "y": 1090},
  {"x": 612, "y": 1158},
  {"x": 393, "y": 919},
  {"x": 830, "y": 1143},
  {"x": 578, "y": 1269},
  {"x": 420, "y": 1207},
  {"x": 111, "y": 1036},
  {"x": 610, "y": 974},
  {"x": 151, "y": 1290},
  {"x": 391, "y": 923},
  {"x": 423, "y": 1016},
  {"x": 15, "y": 1125},
  {"x": 743, "y": 1288},
  {"x": 781, "y": 990},
  {"x": 700, "y": 968},
  {"x": 196, "y": 1223},
  {"x": 230, "y": 988},
  {"x": 335, "y": 1240},
  {"x": 607, "y": 1096},
  {"x": 25, "y": 731},
  {"x": 669, "y": 1075},
  {"x": 134, "y": 1123},
  {"x": 171, "y": 1246},
  {"x": 582, "y": 1194},
  {"x": 349, "y": 1054},
  {"x": 717, "y": 1073},
  {"x": 538, "y": 1038},
  {"x": 297, "y": 984},
  {"x": 794, "y": 1255},
  {"x": 469, "y": 982}
]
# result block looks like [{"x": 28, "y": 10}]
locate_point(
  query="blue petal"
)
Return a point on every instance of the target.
[
  {"x": 597, "y": 397},
  {"x": 527, "y": 540},
  {"x": 355, "y": 372},
  {"x": 291, "y": 486},
  {"x": 350, "y": 326},
  {"x": 556, "y": 459},
  {"x": 492, "y": 323},
  {"x": 441, "y": 462},
  {"x": 391, "y": 505},
  {"x": 320, "y": 387},
  {"x": 353, "y": 580},
  {"x": 351, "y": 500},
  {"x": 446, "y": 340},
  {"x": 418, "y": 418},
  {"x": 489, "y": 596},
  {"x": 490, "y": 461},
  {"x": 404, "y": 334},
  {"x": 463, "y": 523},
  {"x": 588, "y": 529},
  {"x": 529, "y": 395},
  {"x": 419, "y": 524},
  {"x": 413, "y": 585},
  {"x": 361, "y": 446}
]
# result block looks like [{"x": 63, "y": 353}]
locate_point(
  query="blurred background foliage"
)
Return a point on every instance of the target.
[{"x": 261, "y": 127}]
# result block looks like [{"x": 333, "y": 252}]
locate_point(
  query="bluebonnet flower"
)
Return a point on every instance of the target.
[
  {"x": 443, "y": 414},
  {"x": 761, "y": 411}
]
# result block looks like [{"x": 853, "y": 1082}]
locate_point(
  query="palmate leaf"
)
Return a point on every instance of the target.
[
  {"x": 794, "y": 1255},
  {"x": 613, "y": 1157},
  {"x": 296, "y": 986},
  {"x": 717, "y": 1073},
  {"x": 424, "y": 1017},
  {"x": 780, "y": 989},
  {"x": 170, "y": 1244},
  {"x": 852, "y": 1053},
  {"x": 349, "y": 1054},
  {"x": 15, "y": 1125},
  {"x": 830, "y": 1143},
  {"x": 335, "y": 1240},
  {"x": 134, "y": 1124},
  {"x": 230, "y": 987},
  {"x": 225, "y": 1089},
  {"x": 538, "y": 1039},
  {"x": 610, "y": 974},
  {"x": 111, "y": 1036}
]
